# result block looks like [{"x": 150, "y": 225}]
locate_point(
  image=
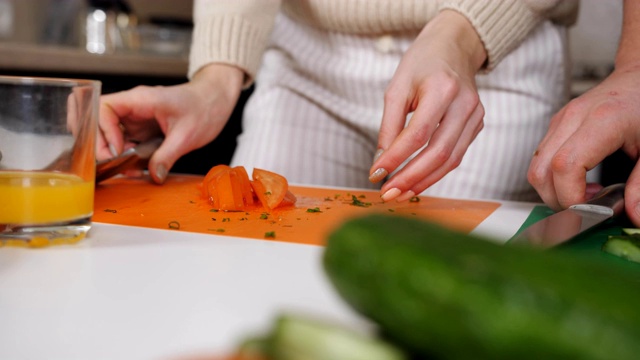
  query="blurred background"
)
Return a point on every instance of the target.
[{"x": 125, "y": 43}]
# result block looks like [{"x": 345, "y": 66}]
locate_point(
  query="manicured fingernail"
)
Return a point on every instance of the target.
[
  {"x": 113, "y": 151},
  {"x": 377, "y": 154},
  {"x": 406, "y": 196},
  {"x": 378, "y": 175},
  {"x": 161, "y": 173},
  {"x": 390, "y": 194}
]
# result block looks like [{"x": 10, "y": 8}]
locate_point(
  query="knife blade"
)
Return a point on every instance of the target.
[
  {"x": 135, "y": 157},
  {"x": 566, "y": 224}
]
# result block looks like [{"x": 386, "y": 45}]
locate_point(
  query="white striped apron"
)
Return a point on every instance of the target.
[{"x": 316, "y": 109}]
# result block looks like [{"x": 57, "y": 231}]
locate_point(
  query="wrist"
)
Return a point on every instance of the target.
[
  {"x": 214, "y": 76},
  {"x": 456, "y": 30}
]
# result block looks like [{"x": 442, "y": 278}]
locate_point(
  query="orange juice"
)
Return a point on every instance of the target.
[{"x": 33, "y": 198}]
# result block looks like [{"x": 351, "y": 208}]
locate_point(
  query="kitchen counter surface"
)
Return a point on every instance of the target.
[
  {"x": 136, "y": 292},
  {"x": 41, "y": 58}
]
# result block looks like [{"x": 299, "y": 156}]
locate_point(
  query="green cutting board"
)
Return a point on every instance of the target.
[{"x": 590, "y": 242}]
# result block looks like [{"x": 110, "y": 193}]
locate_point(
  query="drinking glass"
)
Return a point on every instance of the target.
[{"x": 48, "y": 129}]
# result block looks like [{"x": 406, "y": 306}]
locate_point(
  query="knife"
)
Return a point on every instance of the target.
[
  {"x": 135, "y": 157},
  {"x": 566, "y": 224}
]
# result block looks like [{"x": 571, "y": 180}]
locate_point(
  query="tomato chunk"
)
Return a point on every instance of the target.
[
  {"x": 269, "y": 187},
  {"x": 245, "y": 184},
  {"x": 230, "y": 189}
]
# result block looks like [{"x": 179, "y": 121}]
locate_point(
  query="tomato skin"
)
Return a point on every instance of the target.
[
  {"x": 229, "y": 192},
  {"x": 269, "y": 187},
  {"x": 230, "y": 189},
  {"x": 245, "y": 184},
  {"x": 210, "y": 184}
]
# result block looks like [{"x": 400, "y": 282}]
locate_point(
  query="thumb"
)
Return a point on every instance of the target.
[
  {"x": 165, "y": 157},
  {"x": 632, "y": 196}
]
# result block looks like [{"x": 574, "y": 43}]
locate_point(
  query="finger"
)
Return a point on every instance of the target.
[
  {"x": 102, "y": 147},
  {"x": 417, "y": 133},
  {"x": 462, "y": 143},
  {"x": 572, "y": 161},
  {"x": 120, "y": 112},
  {"x": 162, "y": 160},
  {"x": 632, "y": 195},
  {"x": 540, "y": 174},
  {"x": 444, "y": 152},
  {"x": 112, "y": 133},
  {"x": 456, "y": 157},
  {"x": 394, "y": 115}
]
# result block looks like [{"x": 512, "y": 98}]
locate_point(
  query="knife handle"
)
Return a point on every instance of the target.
[{"x": 608, "y": 200}]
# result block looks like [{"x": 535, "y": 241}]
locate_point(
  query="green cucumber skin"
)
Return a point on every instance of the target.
[{"x": 438, "y": 292}]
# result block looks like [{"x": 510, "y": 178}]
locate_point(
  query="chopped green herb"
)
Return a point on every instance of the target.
[
  {"x": 391, "y": 210},
  {"x": 356, "y": 202},
  {"x": 214, "y": 210},
  {"x": 226, "y": 219},
  {"x": 414, "y": 199},
  {"x": 264, "y": 216},
  {"x": 328, "y": 199},
  {"x": 314, "y": 210},
  {"x": 267, "y": 193},
  {"x": 270, "y": 234},
  {"x": 110, "y": 211},
  {"x": 174, "y": 225},
  {"x": 362, "y": 196}
]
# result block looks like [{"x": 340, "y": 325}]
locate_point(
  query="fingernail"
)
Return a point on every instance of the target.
[
  {"x": 377, "y": 154},
  {"x": 378, "y": 175},
  {"x": 161, "y": 173},
  {"x": 113, "y": 151},
  {"x": 390, "y": 194},
  {"x": 406, "y": 196}
]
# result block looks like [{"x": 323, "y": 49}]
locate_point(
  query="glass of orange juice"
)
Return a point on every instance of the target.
[{"x": 48, "y": 129}]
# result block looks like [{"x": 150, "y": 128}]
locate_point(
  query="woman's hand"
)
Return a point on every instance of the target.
[
  {"x": 189, "y": 116},
  {"x": 436, "y": 82}
]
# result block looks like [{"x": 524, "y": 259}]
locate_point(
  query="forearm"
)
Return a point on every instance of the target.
[{"x": 628, "y": 53}]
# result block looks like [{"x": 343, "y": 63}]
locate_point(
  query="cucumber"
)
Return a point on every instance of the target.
[
  {"x": 440, "y": 293},
  {"x": 300, "y": 338},
  {"x": 295, "y": 337},
  {"x": 631, "y": 231},
  {"x": 624, "y": 246}
]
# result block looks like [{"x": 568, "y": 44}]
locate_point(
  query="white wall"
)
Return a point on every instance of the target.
[{"x": 594, "y": 39}]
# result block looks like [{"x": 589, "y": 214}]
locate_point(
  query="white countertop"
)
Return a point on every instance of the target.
[{"x": 138, "y": 293}]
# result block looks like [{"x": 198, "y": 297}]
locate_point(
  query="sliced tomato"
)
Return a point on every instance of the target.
[
  {"x": 231, "y": 189},
  {"x": 269, "y": 187},
  {"x": 229, "y": 192},
  {"x": 289, "y": 199},
  {"x": 245, "y": 184},
  {"x": 209, "y": 183}
]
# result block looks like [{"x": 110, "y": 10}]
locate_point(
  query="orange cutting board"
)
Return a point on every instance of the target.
[{"x": 178, "y": 205}]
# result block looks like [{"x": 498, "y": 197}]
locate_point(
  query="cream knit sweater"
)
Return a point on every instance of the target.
[{"x": 236, "y": 32}]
